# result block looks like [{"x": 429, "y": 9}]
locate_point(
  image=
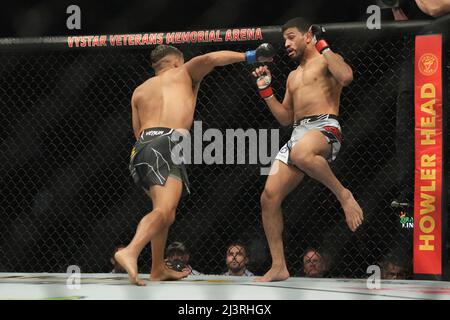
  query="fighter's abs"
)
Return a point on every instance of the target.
[{"x": 315, "y": 93}]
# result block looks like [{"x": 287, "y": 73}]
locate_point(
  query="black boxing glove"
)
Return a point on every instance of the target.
[
  {"x": 264, "y": 53},
  {"x": 318, "y": 33}
]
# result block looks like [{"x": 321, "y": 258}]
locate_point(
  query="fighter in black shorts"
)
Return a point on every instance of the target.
[
  {"x": 151, "y": 161},
  {"x": 162, "y": 107}
]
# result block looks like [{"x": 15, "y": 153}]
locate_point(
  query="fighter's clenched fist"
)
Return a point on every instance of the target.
[{"x": 263, "y": 81}]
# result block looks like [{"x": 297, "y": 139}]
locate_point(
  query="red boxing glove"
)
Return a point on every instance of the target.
[
  {"x": 318, "y": 33},
  {"x": 264, "y": 86},
  {"x": 322, "y": 46}
]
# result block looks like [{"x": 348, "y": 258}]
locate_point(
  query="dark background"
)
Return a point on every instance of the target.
[
  {"x": 67, "y": 195},
  {"x": 38, "y": 18}
]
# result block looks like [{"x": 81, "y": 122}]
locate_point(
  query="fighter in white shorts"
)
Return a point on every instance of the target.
[
  {"x": 328, "y": 124},
  {"x": 311, "y": 104}
]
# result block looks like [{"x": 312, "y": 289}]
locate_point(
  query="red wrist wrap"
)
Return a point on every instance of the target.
[
  {"x": 266, "y": 93},
  {"x": 321, "y": 45}
]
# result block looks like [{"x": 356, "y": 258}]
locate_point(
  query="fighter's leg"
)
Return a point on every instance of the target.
[
  {"x": 154, "y": 225},
  {"x": 160, "y": 271},
  {"x": 279, "y": 184},
  {"x": 309, "y": 154}
]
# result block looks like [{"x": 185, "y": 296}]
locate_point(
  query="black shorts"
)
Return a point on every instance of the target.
[{"x": 151, "y": 161}]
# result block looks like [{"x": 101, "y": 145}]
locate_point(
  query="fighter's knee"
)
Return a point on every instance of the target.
[
  {"x": 269, "y": 198},
  {"x": 302, "y": 159},
  {"x": 167, "y": 216},
  {"x": 170, "y": 218}
]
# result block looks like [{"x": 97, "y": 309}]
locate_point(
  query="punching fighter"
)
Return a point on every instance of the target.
[{"x": 162, "y": 111}]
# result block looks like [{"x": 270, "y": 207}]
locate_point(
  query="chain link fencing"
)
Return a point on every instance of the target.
[{"x": 66, "y": 136}]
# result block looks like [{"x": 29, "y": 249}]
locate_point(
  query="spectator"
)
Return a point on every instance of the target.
[
  {"x": 237, "y": 261},
  {"x": 177, "y": 258},
  {"x": 393, "y": 268},
  {"x": 116, "y": 267},
  {"x": 315, "y": 264}
]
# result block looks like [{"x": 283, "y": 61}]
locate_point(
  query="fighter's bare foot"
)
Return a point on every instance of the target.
[
  {"x": 274, "y": 274},
  {"x": 353, "y": 212},
  {"x": 166, "y": 274},
  {"x": 129, "y": 263}
]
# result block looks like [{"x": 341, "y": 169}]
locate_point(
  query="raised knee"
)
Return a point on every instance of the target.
[
  {"x": 302, "y": 160},
  {"x": 269, "y": 198}
]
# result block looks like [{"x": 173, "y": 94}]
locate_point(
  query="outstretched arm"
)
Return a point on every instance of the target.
[
  {"x": 200, "y": 66},
  {"x": 282, "y": 111},
  {"x": 336, "y": 64}
]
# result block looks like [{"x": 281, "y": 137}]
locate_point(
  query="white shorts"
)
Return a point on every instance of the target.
[{"x": 328, "y": 124}]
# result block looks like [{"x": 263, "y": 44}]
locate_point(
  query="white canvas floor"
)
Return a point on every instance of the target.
[{"x": 116, "y": 286}]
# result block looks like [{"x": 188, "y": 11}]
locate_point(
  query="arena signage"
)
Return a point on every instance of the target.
[
  {"x": 428, "y": 156},
  {"x": 146, "y": 39}
]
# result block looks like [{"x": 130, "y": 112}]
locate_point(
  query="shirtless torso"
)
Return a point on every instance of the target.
[
  {"x": 313, "y": 89},
  {"x": 166, "y": 100}
]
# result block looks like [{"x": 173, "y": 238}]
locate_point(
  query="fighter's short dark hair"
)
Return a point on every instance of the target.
[
  {"x": 163, "y": 50},
  {"x": 300, "y": 23}
]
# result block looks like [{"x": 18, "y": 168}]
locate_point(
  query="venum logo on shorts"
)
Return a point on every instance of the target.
[{"x": 154, "y": 133}]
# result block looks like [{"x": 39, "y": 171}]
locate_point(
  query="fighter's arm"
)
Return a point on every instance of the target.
[
  {"x": 200, "y": 66},
  {"x": 434, "y": 8},
  {"x": 282, "y": 111},
  {"x": 336, "y": 64},
  {"x": 135, "y": 117},
  {"x": 339, "y": 68}
]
